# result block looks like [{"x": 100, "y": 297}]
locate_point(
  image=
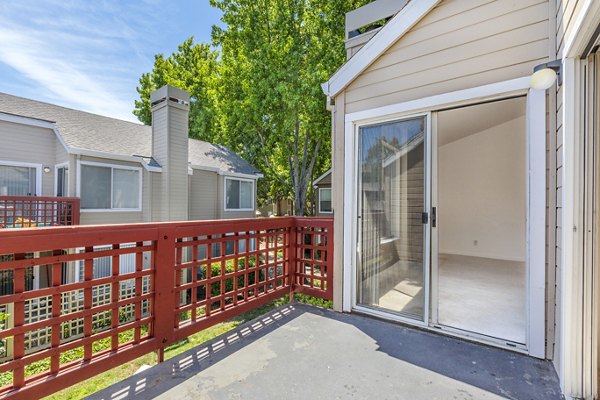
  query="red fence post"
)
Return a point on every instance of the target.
[
  {"x": 76, "y": 211},
  {"x": 329, "y": 264},
  {"x": 292, "y": 256},
  {"x": 164, "y": 288}
]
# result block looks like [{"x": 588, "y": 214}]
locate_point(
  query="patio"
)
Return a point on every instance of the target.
[{"x": 303, "y": 352}]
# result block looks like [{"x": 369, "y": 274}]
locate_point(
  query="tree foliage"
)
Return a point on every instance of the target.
[
  {"x": 192, "y": 68},
  {"x": 261, "y": 95}
]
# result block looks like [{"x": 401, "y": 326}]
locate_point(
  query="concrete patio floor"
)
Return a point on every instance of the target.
[{"x": 303, "y": 352}]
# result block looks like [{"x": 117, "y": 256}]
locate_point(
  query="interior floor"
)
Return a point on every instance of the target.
[
  {"x": 401, "y": 288},
  {"x": 483, "y": 295}
]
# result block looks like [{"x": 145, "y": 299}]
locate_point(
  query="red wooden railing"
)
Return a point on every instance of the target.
[
  {"x": 117, "y": 292},
  {"x": 35, "y": 211}
]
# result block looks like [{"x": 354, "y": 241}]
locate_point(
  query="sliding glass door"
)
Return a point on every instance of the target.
[{"x": 392, "y": 223}]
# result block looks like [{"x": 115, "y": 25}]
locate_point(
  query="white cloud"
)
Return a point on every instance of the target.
[{"x": 81, "y": 54}]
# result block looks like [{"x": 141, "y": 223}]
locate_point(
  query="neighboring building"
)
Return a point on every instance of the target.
[
  {"x": 322, "y": 187},
  {"x": 123, "y": 172},
  {"x": 465, "y": 200},
  {"x": 278, "y": 208}
]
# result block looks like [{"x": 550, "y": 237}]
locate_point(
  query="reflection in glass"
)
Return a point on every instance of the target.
[{"x": 391, "y": 202}]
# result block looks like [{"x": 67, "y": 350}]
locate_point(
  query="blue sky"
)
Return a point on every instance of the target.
[{"x": 89, "y": 54}]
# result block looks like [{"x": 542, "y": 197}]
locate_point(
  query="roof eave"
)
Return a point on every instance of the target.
[
  {"x": 397, "y": 27},
  {"x": 218, "y": 171}
]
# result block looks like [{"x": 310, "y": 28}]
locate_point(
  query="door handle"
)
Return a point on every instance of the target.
[
  {"x": 424, "y": 217},
  {"x": 433, "y": 217}
]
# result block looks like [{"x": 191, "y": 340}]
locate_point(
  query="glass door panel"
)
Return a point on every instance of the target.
[{"x": 391, "y": 225}]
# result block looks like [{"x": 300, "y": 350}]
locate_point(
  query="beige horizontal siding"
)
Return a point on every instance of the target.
[
  {"x": 24, "y": 143},
  {"x": 120, "y": 217},
  {"x": 459, "y": 44},
  {"x": 203, "y": 195},
  {"x": 156, "y": 200},
  {"x": 60, "y": 155},
  {"x": 567, "y": 12}
]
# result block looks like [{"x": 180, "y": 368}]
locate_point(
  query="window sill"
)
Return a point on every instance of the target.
[{"x": 110, "y": 210}]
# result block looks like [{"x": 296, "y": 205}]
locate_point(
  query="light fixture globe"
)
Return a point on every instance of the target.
[{"x": 542, "y": 79}]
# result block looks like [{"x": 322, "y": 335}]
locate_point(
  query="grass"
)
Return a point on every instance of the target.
[{"x": 124, "y": 371}]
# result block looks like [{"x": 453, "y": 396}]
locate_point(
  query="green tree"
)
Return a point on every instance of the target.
[
  {"x": 261, "y": 94},
  {"x": 275, "y": 55},
  {"x": 193, "y": 67}
]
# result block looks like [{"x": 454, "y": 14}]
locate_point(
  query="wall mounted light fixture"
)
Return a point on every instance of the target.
[
  {"x": 46, "y": 170},
  {"x": 544, "y": 75}
]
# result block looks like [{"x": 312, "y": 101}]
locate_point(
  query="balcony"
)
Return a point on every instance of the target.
[
  {"x": 34, "y": 211},
  {"x": 302, "y": 352},
  {"x": 117, "y": 292}
]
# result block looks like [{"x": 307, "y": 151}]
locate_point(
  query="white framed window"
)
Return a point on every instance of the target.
[
  {"x": 109, "y": 187},
  {"x": 325, "y": 201},
  {"x": 20, "y": 178},
  {"x": 239, "y": 194},
  {"x": 61, "y": 180}
]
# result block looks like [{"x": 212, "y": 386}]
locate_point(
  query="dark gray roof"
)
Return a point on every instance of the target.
[
  {"x": 219, "y": 157},
  {"x": 83, "y": 130}
]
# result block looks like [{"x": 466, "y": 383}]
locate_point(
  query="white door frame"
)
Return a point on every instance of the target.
[
  {"x": 427, "y": 203},
  {"x": 536, "y": 231},
  {"x": 56, "y": 168}
]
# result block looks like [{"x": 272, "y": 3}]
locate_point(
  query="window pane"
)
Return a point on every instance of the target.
[
  {"x": 325, "y": 199},
  {"x": 17, "y": 181},
  {"x": 95, "y": 187},
  {"x": 62, "y": 175},
  {"x": 245, "y": 194},
  {"x": 126, "y": 189},
  {"x": 232, "y": 200}
]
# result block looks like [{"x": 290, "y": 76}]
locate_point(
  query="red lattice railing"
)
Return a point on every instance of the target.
[
  {"x": 35, "y": 211},
  {"x": 113, "y": 293}
]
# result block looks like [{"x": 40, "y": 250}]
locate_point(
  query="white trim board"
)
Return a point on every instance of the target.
[
  {"x": 515, "y": 87},
  {"x": 536, "y": 222},
  {"x": 397, "y": 27},
  {"x": 226, "y": 173}
]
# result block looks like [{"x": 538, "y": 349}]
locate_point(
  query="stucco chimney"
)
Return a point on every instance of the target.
[{"x": 170, "y": 109}]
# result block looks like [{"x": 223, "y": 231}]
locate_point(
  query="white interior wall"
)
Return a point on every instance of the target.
[{"x": 481, "y": 209}]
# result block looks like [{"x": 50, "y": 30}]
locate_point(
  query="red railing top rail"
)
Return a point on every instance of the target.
[
  {"x": 63, "y": 235},
  {"x": 40, "y": 198}
]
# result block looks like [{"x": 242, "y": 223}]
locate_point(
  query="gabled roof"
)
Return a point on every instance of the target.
[
  {"x": 397, "y": 27},
  {"x": 322, "y": 177},
  {"x": 82, "y": 131},
  {"x": 205, "y": 155}
]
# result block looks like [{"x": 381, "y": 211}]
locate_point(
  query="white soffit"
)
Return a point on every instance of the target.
[{"x": 399, "y": 25}]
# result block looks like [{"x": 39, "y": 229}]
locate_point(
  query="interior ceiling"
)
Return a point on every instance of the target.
[{"x": 461, "y": 122}]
